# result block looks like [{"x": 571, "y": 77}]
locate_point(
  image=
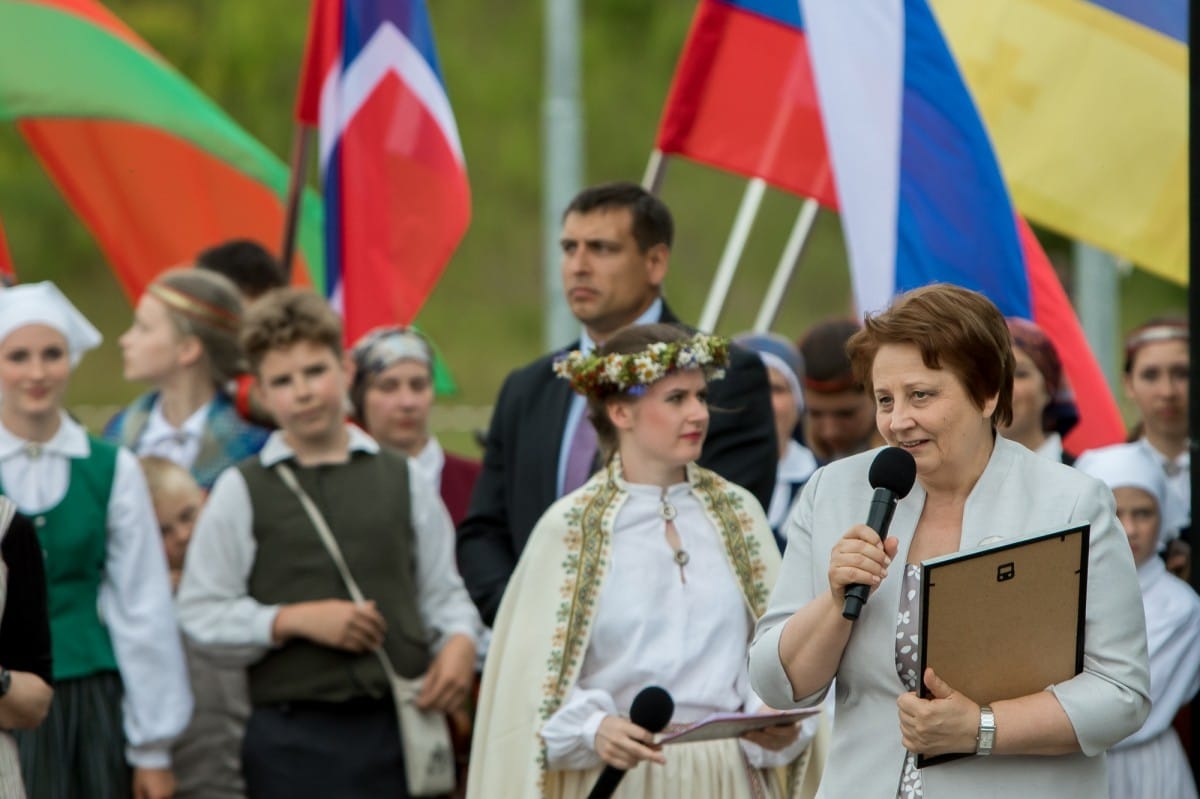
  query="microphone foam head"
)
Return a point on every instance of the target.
[
  {"x": 652, "y": 708},
  {"x": 895, "y": 470}
]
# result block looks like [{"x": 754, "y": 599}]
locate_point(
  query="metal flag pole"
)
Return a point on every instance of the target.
[
  {"x": 562, "y": 158},
  {"x": 788, "y": 262},
  {"x": 656, "y": 170},
  {"x": 734, "y": 246}
]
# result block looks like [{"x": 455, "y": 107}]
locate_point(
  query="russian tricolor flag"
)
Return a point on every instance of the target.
[
  {"x": 922, "y": 196},
  {"x": 780, "y": 89},
  {"x": 743, "y": 98},
  {"x": 397, "y": 201}
]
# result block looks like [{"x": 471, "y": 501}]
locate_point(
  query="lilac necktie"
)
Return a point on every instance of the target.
[{"x": 581, "y": 456}]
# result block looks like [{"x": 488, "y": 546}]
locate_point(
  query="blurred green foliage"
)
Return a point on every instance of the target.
[{"x": 486, "y": 313}]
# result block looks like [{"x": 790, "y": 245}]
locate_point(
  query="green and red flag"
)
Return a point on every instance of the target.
[{"x": 155, "y": 169}]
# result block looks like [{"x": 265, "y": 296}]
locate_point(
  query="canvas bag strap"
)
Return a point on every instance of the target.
[{"x": 335, "y": 553}]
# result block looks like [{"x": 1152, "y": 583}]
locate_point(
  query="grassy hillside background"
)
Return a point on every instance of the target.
[{"x": 486, "y": 313}]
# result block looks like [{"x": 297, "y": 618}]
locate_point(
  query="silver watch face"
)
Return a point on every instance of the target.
[{"x": 987, "y": 732}]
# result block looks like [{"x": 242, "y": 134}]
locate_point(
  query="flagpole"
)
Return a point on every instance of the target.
[
  {"x": 734, "y": 246},
  {"x": 656, "y": 170},
  {"x": 301, "y": 141},
  {"x": 562, "y": 157},
  {"x": 788, "y": 262}
]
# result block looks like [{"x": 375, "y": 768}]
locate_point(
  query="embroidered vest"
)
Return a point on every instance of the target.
[{"x": 366, "y": 504}]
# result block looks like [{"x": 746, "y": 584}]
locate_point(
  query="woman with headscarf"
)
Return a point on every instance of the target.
[
  {"x": 121, "y": 687},
  {"x": 397, "y": 374},
  {"x": 785, "y": 370},
  {"x": 1043, "y": 407},
  {"x": 1151, "y": 762}
]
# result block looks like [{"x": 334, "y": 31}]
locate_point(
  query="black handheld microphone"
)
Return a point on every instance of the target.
[
  {"x": 892, "y": 475},
  {"x": 651, "y": 710}
]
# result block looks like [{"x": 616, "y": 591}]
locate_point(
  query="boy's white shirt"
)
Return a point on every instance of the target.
[{"x": 215, "y": 608}]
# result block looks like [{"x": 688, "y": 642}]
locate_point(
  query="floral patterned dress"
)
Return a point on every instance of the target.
[{"x": 907, "y": 634}]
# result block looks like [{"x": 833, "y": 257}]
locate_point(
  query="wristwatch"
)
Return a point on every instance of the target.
[
  {"x": 986, "y": 737},
  {"x": 5, "y": 680}
]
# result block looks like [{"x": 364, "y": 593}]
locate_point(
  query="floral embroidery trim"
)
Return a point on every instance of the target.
[
  {"x": 727, "y": 509},
  {"x": 587, "y": 555},
  {"x": 589, "y": 524},
  {"x": 596, "y": 375}
]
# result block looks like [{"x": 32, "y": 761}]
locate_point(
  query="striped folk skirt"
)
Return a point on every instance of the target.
[{"x": 79, "y": 750}]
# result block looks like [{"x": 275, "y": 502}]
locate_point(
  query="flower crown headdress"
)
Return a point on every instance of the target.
[{"x": 597, "y": 375}]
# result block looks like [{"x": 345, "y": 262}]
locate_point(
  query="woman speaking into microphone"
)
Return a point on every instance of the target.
[{"x": 940, "y": 364}]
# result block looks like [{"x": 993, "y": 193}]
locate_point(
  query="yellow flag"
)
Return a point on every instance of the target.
[{"x": 1086, "y": 103}]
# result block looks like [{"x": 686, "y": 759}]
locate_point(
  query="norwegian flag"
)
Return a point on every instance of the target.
[{"x": 397, "y": 200}]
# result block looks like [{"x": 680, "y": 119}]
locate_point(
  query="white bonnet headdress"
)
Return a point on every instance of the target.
[{"x": 43, "y": 304}]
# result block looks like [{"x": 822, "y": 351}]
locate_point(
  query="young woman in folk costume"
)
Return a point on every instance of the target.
[
  {"x": 184, "y": 343},
  {"x": 1151, "y": 761},
  {"x": 652, "y": 572},
  {"x": 121, "y": 690}
]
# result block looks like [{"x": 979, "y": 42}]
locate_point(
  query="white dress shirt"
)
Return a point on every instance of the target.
[
  {"x": 215, "y": 608},
  {"x": 797, "y": 465},
  {"x": 652, "y": 627},
  {"x": 432, "y": 459},
  {"x": 180, "y": 444},
  {"x": 135, "y": 593}
]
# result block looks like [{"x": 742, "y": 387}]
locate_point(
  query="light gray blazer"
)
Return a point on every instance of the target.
[{"x": 1018, "y": 493}]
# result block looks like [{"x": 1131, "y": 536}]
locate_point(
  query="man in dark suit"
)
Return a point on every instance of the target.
[{"x": 616, "y": 247}]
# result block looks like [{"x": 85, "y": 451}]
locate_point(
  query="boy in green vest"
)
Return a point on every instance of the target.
[{"x": 259, "y": 584}]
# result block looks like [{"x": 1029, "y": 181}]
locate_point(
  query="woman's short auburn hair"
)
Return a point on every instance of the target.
[{"x": 955, "y": 329}]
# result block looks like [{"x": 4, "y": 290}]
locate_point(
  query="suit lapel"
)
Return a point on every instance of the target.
[{"x": 554, "y": 401}]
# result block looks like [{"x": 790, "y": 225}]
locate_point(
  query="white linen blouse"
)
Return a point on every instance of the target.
[{"x": 657, "y": 626}]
